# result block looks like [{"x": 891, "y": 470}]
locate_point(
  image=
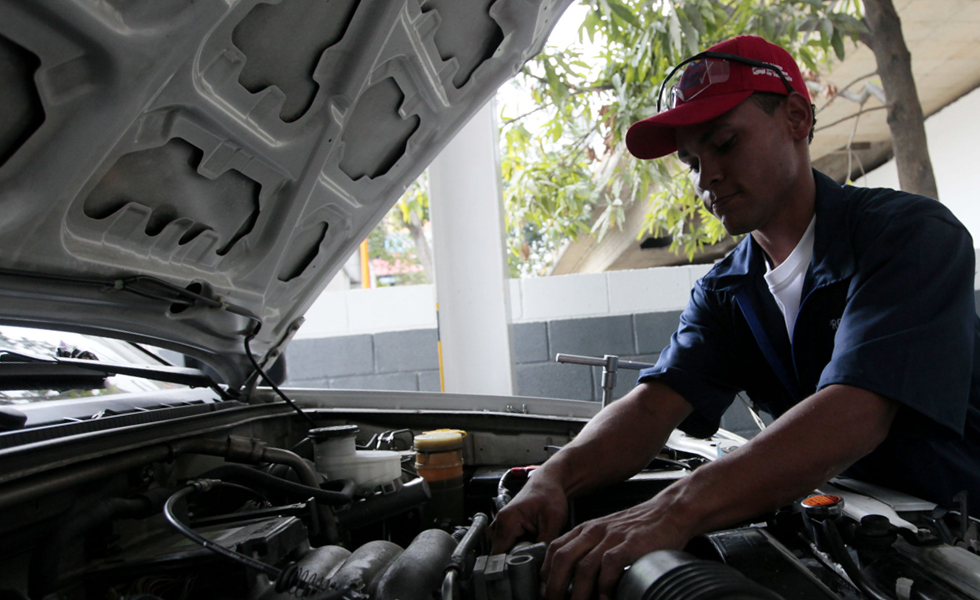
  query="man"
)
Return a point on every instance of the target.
[{"x": 848, "y": 314}]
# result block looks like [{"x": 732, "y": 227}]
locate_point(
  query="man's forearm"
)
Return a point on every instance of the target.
[
  {"x": 619, "y": 441},
  {"x": 814, "y": 441},
  {"x": 803, "y": 449}
]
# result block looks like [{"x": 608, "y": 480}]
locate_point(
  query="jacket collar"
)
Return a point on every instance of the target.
[{"x": 832, "y": 256}]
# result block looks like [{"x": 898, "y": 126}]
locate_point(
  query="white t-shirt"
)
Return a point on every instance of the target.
[{"x": 786, "y": 281}]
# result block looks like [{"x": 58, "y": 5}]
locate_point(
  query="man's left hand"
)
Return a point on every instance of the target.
[{"x": 592, "y": 556}]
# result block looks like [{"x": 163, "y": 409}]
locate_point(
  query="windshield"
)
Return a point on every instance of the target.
[{"x": 25, "y": 344}]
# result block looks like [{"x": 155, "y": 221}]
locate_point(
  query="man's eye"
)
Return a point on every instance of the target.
[
  {"x": 692, "y": 167},
  {"x": 727, "y": 145}
]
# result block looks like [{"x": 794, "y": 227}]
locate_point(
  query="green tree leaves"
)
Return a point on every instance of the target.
[
  {"x": 565, "y": 169},
  {"x": 566, "y": 172}
]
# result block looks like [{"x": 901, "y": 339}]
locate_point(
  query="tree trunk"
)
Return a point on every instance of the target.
[
  {"x": 422, "y": 249},
  {"x": 905, "y": 119}
]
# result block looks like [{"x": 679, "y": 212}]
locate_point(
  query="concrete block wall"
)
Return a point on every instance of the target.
[
  {"x": 539, "y": 375},
  {"x": 394, "y": 360},
  {"x": 408, "y": 360},
  {"x": 385, "y": 339},
  {"x": 636, "y": 337}
]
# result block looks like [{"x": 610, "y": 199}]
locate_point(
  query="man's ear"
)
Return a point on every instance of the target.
[{"x": 800, "y": 116}]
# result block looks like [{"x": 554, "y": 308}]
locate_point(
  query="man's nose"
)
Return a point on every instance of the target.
[{"x": 711, "y": 174}]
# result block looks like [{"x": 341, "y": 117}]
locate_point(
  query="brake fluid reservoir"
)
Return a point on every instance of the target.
[
  {"x": 439, "y": 460},
  {"x": 338, "y": 458}
]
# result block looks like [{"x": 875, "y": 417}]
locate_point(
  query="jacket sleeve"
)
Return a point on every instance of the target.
[{"x": 697, "y": 363}]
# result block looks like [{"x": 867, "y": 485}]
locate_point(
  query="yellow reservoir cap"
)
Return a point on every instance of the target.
[
  {"x": 439, "y": 440},
  {"x": 439, "y": 454}
]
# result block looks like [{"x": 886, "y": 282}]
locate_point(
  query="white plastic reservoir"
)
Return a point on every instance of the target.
[{"x": 338, "y": 458}]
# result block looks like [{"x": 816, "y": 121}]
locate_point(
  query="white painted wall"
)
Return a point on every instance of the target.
[
  {"x": 952, "y": 135},
  {"x": 545, "y": 298},
  {"x": 561, "y": 297}
]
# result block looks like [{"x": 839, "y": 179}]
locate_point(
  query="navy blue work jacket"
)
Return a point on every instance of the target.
[{"x": 888, "y": 305}]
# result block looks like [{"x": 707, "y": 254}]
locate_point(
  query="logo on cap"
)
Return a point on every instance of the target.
[{"x": 771, "y": 72}]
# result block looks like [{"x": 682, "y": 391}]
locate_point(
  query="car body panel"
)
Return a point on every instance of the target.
[{"x": 241, "y": 149}]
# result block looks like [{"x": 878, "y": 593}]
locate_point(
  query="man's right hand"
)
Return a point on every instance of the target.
[
  {"x": 627, "y": 434},
  {"x": 540, "y": 509}
]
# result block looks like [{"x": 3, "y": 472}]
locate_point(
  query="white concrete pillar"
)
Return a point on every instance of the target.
[{"x": 469, "y": 252}]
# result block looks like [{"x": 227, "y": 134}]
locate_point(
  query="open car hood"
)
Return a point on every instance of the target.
[{"x": 238, "y": 150}]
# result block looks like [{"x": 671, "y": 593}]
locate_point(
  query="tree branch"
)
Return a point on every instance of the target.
[
  {"x": 579, "y": 146},
  {"x": 845, "y": 88},
  {"x": 857, "y": 114},
  {"x": 574, "y": 89},
  {"x": 527, "y": 114}
]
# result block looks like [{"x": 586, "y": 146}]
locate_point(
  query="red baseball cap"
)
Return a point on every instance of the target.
[{"x": 654, "y": 137}]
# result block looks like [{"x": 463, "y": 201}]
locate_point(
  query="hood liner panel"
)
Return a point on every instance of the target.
[{"x": 245, "y": 147}]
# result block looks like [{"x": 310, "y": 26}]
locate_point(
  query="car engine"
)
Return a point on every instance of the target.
[{"x": 392, "y": 507}]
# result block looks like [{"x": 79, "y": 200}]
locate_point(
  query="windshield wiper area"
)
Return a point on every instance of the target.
[{"x": 23, "y": 372}]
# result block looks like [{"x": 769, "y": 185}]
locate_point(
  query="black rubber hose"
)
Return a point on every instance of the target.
[
  {"x": 469, "y": 542},
  {"x": 205, "y": 485},
  {"x": 299, "y": 491},
  {"x": 674, "y": 575},
  {"x": 252, "y": 451},
  {"x": 457, "y": 561},
  {"x": 504, "y": 495}
]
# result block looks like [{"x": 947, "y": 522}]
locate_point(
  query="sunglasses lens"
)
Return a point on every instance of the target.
[{"x": 697, "y": 77}]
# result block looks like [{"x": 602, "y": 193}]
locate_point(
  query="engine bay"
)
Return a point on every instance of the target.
[{"x": 395, "y": 506}]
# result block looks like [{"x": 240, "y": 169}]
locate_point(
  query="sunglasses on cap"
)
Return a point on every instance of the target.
[{"x": 705, "y": 69}]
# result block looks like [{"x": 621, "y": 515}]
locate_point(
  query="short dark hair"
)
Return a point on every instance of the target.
[{"x": 770, "y": 101}]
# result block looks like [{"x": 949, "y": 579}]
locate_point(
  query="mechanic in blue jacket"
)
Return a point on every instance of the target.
[{"x": 847, "y": 313}]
